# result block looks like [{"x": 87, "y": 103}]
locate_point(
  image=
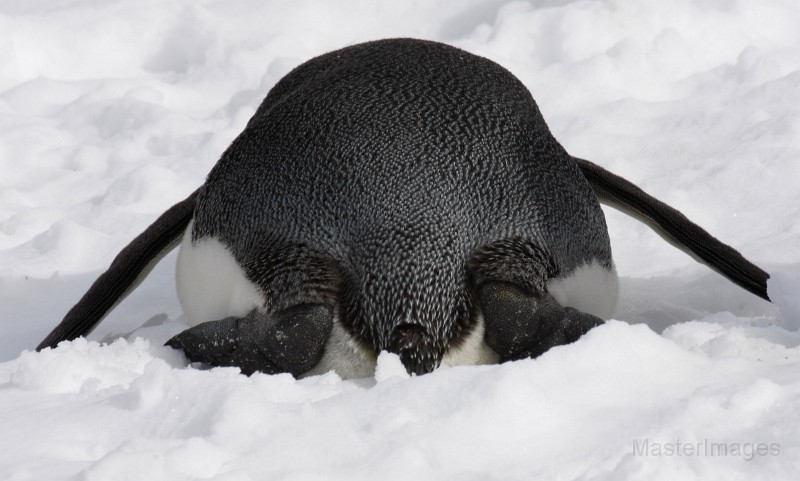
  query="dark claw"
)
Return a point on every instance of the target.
[
  {"x": 291, "y": 340},
  {"x": 209, "y": 341},
  {"x": 523, "y": 325},
  {"x": 577, "y": 323}
]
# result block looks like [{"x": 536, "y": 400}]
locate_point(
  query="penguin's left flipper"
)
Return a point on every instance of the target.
[
  {"x": 520, "y": 324},
  {"x": 290, "y": 341}
]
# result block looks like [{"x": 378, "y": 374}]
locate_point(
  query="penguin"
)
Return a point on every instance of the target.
[{"x": 397, "y": 195}]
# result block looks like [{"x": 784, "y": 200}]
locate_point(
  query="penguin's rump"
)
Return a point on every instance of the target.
[
  {"x": 399, "y": 160},
  {"x": 398, "y": 195}
]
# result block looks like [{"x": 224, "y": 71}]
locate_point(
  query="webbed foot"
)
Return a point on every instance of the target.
[{"x": 290, "y": 341}]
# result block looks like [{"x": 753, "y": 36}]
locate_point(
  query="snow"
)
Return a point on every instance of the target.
[
  {"x": 783, "y": 290},
  {"x": 112, "y": 111},
  {"x": 388, "y": 366}
]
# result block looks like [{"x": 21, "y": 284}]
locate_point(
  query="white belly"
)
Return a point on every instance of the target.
[
  {"x": 211, "y": 285},
  {"x": 590, "y": 288}
]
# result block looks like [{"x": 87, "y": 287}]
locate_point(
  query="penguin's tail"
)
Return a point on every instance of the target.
[
  {"x": 675, "y": 228},
  {"x": 125, "y": 273}
]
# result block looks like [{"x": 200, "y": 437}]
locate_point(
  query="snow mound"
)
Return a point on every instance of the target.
[{"x": 577, "y": 410}]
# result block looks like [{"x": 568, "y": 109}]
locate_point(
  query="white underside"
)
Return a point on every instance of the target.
[
  {"x": 211, "y": 286},
  {"x": 591, "y": 288}
]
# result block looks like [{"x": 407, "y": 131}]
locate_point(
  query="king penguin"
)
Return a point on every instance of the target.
[{"x": 399, "y": 195}]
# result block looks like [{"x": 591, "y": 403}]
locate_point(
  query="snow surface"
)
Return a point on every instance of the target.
[{"x": 111, "y": 111}]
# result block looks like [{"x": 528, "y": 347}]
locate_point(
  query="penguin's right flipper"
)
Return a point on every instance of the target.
[
  {"x": 290, "y": 341},
  {"x": 128, "y": 269},
  {"x": 675, "y": 228},
  {"x": 520, "y": 324}
]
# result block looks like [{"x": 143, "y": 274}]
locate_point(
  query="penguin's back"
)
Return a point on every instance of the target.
[{"x": 402, "y": 144}]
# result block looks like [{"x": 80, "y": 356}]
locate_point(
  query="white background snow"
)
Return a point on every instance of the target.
[{"x": 111, "y": 111}]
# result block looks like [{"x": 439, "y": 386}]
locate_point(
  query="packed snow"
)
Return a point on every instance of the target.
[{"x": 112, "y": 111}]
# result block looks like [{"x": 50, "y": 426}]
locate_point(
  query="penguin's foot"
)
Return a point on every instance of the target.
[
  {"x": 521, "y": 325},
  {"x": 290, "y": 341}
]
